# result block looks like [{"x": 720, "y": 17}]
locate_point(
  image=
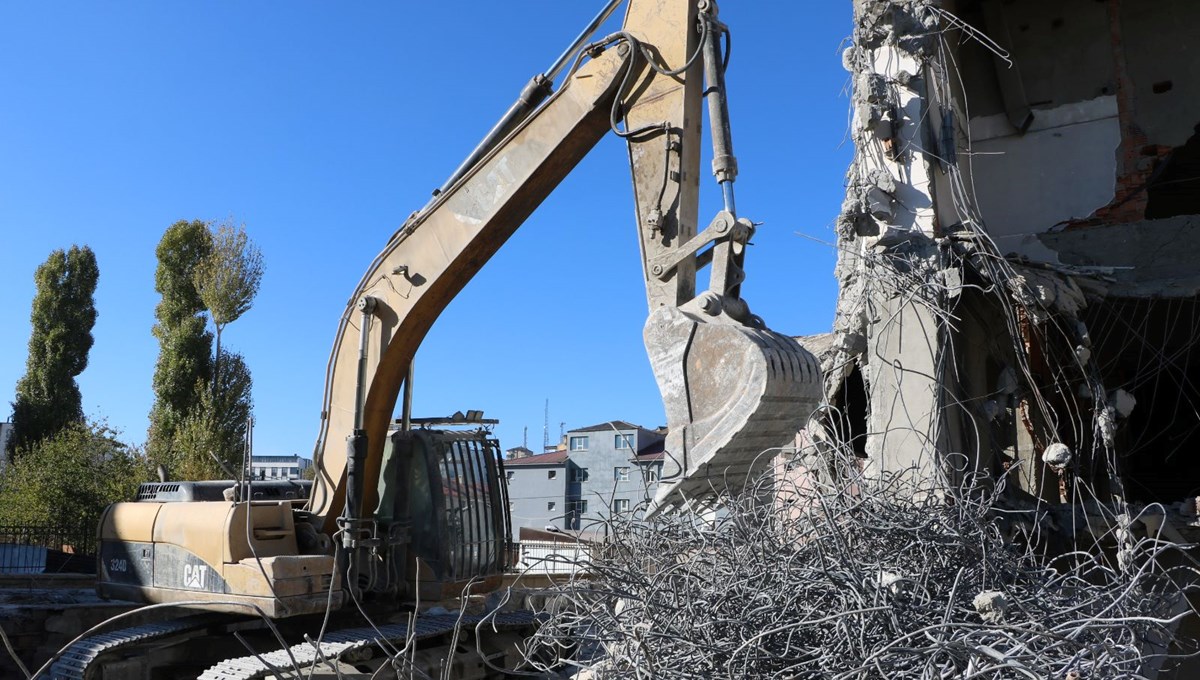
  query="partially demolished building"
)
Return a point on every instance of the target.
[
  {"x": 1018, "y": 254},
  {"x": 1017, "y": 313}
]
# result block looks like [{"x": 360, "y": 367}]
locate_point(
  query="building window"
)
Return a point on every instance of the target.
[
  {"x": 552, "y": 474},
  {"x": 622, "y": 441},
  {"x": 620, "y": 505},
  {"x": 550, "y": 506},
  {"x": 651, "y": 473},
  {"x": 579, "y": 443},
  {"x": 621, "y": 474},
  {"x": 579, "y": 475}
]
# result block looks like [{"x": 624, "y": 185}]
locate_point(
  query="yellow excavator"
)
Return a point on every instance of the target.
[{"x": 406, "y": 511}]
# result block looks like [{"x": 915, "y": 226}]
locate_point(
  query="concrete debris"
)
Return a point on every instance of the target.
[
  {"x": 851, "y": 343},
  {"x": 877, "y": 119},
  {"x": 851, "y": 59},
  {"x": 991, "y": 605},
  {"x": 855, "y": 218},
  {"x": 868, "y": 202},
  {"x": 1057, "y": 456},
  {"x": 883, "y": 179},
  {"x": 910, "y": 25},
  {"x": 1083, "y": 354},
  {"x": 952, "y": 281},
  {"x": 1106, "y": 422},
  {"x": 890, "y": 581},
  {"x": 881, "y": 204},
  {"x": 911, "y": 240},
  {"x": 1027, "y": 297},
  {"x": 1123, "y": 402},
  {"x": 873, "y": 88},
  {"x": 1042, "y": 293}
]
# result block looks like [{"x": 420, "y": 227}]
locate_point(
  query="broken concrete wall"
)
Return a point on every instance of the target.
[
  {"x": 886, "y": 324},
  {"x": 1106, "y": 92},
  {"x": 1017, "y": 162},
  {"x": 1037, "y": 116}
]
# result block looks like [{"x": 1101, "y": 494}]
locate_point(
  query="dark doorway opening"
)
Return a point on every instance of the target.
[
  {"x": 1148, "y": 348},
  {"x": 1175, "y": 189},
  {"x": 850, "y": 418}
]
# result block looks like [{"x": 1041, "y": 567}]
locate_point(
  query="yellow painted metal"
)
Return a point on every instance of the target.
[
  {"x": 666, "y": 163},
  {"x": 129, "y": 522},
  {"x": 259, "y": 566},
  {"x": 432, "y": 257}
]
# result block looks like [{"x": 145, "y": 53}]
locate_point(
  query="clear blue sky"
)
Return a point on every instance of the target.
[{"x": 321, "y": 126}]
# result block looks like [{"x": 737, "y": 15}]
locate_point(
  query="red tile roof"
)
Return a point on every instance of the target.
[{"x": 552, "y": 458}]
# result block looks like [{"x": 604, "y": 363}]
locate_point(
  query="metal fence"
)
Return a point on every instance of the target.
[
  {"x": 552, "y": 557},
  {"x": 28, "y": 549}
]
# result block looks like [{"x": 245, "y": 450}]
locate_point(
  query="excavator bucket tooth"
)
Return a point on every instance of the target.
[{"x": 733, "y": 396}]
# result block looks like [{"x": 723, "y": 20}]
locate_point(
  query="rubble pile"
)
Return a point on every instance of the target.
[{"x": 850, "y": 577}]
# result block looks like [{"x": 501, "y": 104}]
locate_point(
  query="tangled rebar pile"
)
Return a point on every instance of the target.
[{"x": 842, "y": 576}]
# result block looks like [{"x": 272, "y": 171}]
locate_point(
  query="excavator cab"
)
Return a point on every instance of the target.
[{"x": 455, "y": 511}]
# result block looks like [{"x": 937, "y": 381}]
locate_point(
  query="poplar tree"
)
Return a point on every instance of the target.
[
  {"x": 63, "y": 315},
  {"x": 227, "y": 281},
  {"x": 204, "y": 401},
  {"x": 185, "y": 345}
]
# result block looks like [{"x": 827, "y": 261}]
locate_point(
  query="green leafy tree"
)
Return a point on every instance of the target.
[
  {"x": 63, "y": 315},
  {"x": 227, "y": 280},
  {"x": 68, "y": 478},
  {"x": 185, "y": 345},
  {"x": 210, "y": 442},
  {"x": 204, "y": 401}
]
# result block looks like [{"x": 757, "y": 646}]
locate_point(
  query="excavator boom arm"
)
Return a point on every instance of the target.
[
  {"x": 429, "y": 260},
  {"x": 650, "y": 76}
]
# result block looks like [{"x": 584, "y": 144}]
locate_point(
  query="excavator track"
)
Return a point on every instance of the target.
[
  {"x": 339, "y": 643},
  {"x": 89, "y": 653},
  {"x": 75, "y": 661}
]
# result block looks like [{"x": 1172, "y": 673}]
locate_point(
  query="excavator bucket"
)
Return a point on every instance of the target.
[{"x": 733, "y": 395}]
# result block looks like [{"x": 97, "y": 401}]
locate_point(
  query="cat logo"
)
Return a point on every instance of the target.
[{"x": 194, "y": 575}]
